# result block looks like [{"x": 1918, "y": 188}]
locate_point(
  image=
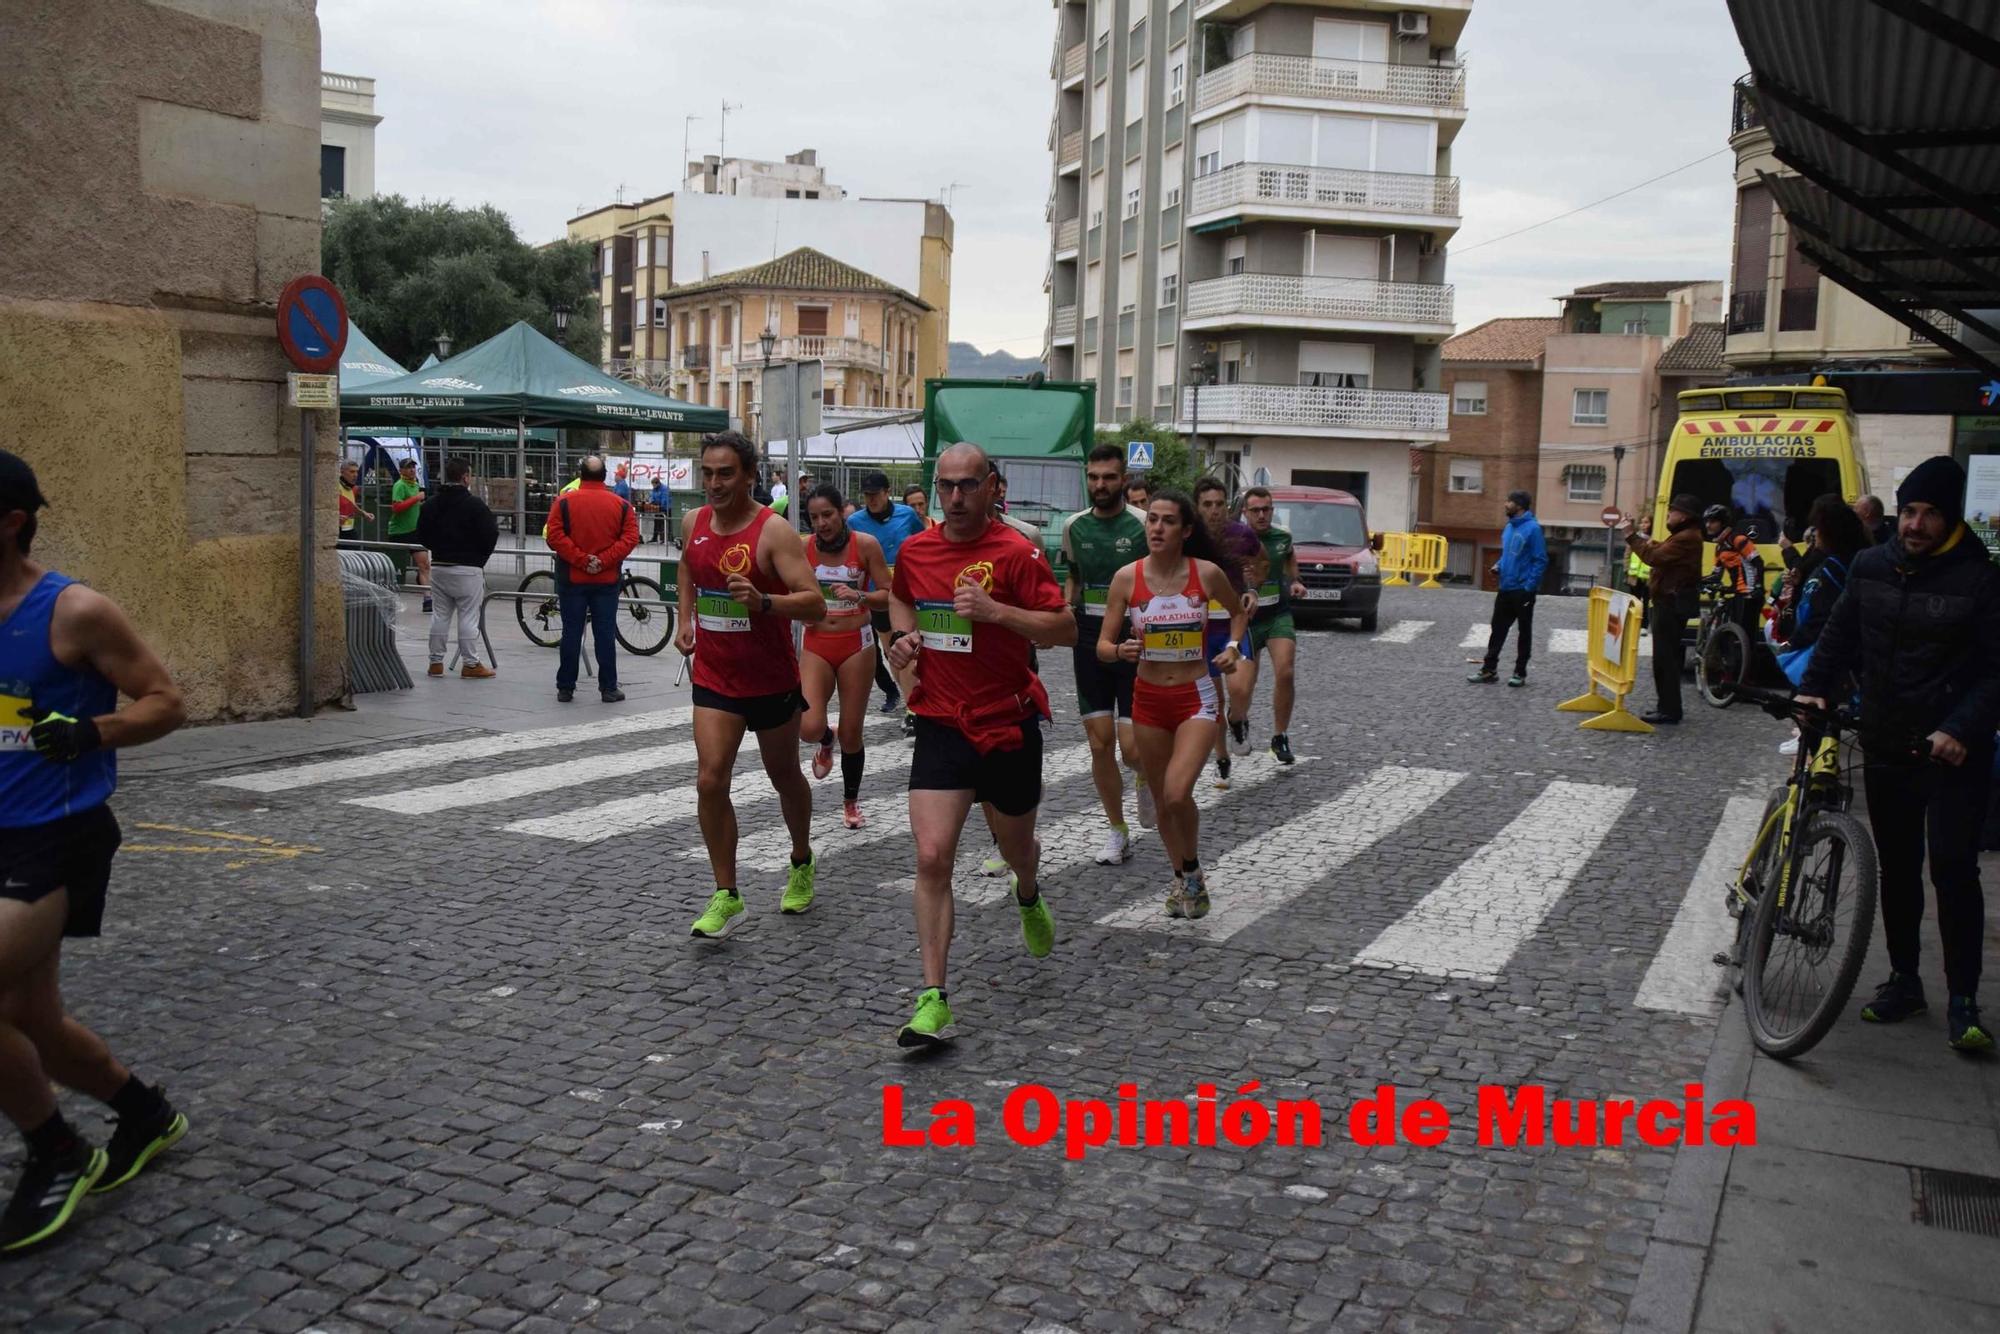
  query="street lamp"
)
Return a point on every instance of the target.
[
  {"x": 443, "y": 341},
  {"x": 1197, "y": 376},
  {"x": 561, "y": 312},
  {"x": 768, "y": 340}
]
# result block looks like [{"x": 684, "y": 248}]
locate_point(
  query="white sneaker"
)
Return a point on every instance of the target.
[
  {"x": 1789, "y": 747},
  {"x": 1239, "y": 736},
  {"x": 1148, "y": 817},
  {"x": 1117, "y": 848}
]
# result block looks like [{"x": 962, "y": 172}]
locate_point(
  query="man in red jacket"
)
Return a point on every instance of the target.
[{"x": 591, "y": 531}]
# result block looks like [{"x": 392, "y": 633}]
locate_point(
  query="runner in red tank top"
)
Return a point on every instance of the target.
[
  {"x": 840, "y": 651},
  {"x": 743, "y": 580}
]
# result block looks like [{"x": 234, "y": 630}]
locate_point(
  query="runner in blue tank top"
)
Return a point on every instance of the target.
[{"x": 66, "y": 653}]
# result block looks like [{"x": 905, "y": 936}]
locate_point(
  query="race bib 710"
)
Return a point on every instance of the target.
[{"x": 715, "y": 610}]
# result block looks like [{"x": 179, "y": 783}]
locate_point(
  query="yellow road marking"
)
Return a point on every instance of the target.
[{"x": 258, "y": 848}]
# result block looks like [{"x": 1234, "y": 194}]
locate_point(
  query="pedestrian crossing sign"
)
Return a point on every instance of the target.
[{"x": 1139, "y": 455}]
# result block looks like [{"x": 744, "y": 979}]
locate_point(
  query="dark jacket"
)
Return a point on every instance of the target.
[
  {"x": 591, "y": 521},
  {"x": 457, "y": 527},
  {"x": 1821, "y": 582},
  {"x": 1675, "y": 558},
  {"x": 1923, "y": 634}
]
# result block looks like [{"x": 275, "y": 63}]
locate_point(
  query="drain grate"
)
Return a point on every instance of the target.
[{"x": 1956, "y": 1200}]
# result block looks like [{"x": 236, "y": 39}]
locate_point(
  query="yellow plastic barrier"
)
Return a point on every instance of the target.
[
  {"x": 1612, "y": 658},
  {"x": 1395, "y": 559},
  {"x": 1428, "y": 552}
]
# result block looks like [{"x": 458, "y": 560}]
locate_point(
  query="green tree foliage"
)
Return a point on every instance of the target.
[
  {"x": 411, "y": 271},
  {"x": 1173, "y": 462}
]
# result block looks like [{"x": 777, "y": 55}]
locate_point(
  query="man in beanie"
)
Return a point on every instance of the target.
[
  {"x": 68, "y": 654},
  {"x": 1524, "y": 558},
  {"x": 1919, "y": 622},
  {"x": 1676, "y": 575}
]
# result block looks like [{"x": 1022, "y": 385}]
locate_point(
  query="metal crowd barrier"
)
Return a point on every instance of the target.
[{"x": 368, "y": 583}]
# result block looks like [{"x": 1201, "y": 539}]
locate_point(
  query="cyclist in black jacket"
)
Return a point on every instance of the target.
[{"x": 1919, "y": 622}]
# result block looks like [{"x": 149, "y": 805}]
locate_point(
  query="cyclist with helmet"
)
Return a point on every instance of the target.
[{"x": 1739, "y": 570}]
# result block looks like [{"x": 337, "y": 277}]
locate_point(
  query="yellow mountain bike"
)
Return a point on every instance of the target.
[{"x": 1804, "y": 898}]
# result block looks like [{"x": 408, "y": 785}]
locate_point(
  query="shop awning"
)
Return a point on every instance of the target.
[{"x": 1889, "y": 111}]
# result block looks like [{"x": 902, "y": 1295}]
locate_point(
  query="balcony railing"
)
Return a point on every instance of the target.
[
  {"x": 1746, "y": 312},
  {"x": 1072, "y": 64},
  {"x": 1392, "y": 412},
  {"x": 1287, "y": 187},
  {"x": 641, "y": 370},
  {"x": 1070, "y": 153},
  {"x": 694, "y": 357},
  {"x": 1441, "y": 86},
  {"x": 1743, "y": 113},
  {"x": 1277, "y": 296},
  {"x": 1798, "y": 308},
  {"x": 1066, "y": 235},
  {"x": 1947, "y": 325},
  {"x": 1065, "y": 324},
  {"x": 822, "y": 347}
]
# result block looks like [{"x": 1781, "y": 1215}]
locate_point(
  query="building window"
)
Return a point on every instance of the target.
[
  {"x": 1096, "y": 218},
  {"x": 610, "y": 259},
  {"x": 1132, "y": 203},
  {"x": 1176, "y": 82},
  {"x": 1173, "y": 199},
  {"x": 1590, "y": 407},
  {"x": 1124, "y": 391},
  {"x": 791, "y": 194},
  {"x": 1636, "y": 327},
  {"x": 812, "y": 194},
  {"x": 1207, "y": 164},
  {"x": 1586, "y": 482},
  {"x": 332, "y": 171},
  {"x": 1234, "y": 252},
  {"x": 1468, "y": 476},
  {"x": 1468, "y": 399},
  {"x": 1170, "y": 290},
  {"x": 659, "y": 312}
]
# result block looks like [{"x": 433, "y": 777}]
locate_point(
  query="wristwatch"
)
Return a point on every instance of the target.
[{"x": 767, "y": 604}]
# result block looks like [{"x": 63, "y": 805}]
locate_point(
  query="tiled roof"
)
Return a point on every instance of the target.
[
  {"x": 1698, "y": 352},
  {"x": 1647, "y": 291},
  {"x": 804, "y": 269},
  {"x": 1502, "y": 340}
]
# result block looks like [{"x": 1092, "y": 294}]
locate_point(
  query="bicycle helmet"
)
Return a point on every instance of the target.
[{"x": 1715, "y": 514}]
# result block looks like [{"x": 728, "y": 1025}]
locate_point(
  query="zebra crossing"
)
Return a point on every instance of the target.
[
  {"x": 1471, "y": 925},
  {"x": 1556, "y": 639}
]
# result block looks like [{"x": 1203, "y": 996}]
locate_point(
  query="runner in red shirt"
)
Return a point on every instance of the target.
[
  {"x": 969, "y": 597},
  {"x": 840, "y": 651},
  {"x": 743, "y": 580}
]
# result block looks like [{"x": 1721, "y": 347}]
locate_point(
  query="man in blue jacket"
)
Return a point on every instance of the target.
[{"x": 1524, "y": 558}]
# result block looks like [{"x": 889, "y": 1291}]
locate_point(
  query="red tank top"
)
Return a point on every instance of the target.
[
  {"x": 1169, "y": 626},
  {"x": 735, "y": 653},
  {"x": 833, "y": 572}
]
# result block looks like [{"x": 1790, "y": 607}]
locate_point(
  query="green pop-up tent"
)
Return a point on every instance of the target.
[
  {"x": 362, "y": 363},
  {"x": 519, "y": 378}
]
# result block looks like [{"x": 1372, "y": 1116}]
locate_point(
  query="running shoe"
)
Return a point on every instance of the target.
[
  {"x": 1483, "y": 678},
  {"x": 1895, "y": 1000},
  {"x": 1196, "y": 895},
  {"x": 1222, "y": 772},
  {"x": 1239, "y": 735},
  {"x": 892, "y": 701},
  {"x": 1962, "y": 1027},
  {"x": 823, "y": 759},
  {"x": 1038, "y": 928},
  {"x": 1149, "y": 818},
  {"x": 1518, "y": 679},
  {"x": 1177, "y": 899},
  {"x": 798, "y": 888},
  {"x": 927, "y": 1027},
  {"x": 1117, "y": 847},
  {"x": 850, "y": 814},
  {"x": 139, "y": 1140},
  {"x": 725, "y": 909},
  {"x": 1281, "y": 747},
  {"x": 909, "y": 727},
  {"x": 994, "y": 864},
  {"x": 1790, "y": 747},
  {"x": 52, "y": 1185}
]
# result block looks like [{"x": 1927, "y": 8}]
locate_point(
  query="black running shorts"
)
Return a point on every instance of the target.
[
  {"x": 73, "y": 854},
  {"x": 1102, "y": 688},
  {"x": 760, "y": 713},
  {"x": 1010, "y": 780}
]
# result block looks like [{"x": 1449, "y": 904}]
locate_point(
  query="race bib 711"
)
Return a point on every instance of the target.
[{"x": 943, "y": 629}]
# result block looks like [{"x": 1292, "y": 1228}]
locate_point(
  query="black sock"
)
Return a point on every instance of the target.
[
  {"x": 135, "y": 1101},
  {"x": 850, "y": 773},
  {"x": 1191, "y": 866},
  {"x": 729, "y": 891},
  {"x": 796, "y": 862},
  {"x": 827, "y": 740},
  {"x": 50, "y": 1137}
]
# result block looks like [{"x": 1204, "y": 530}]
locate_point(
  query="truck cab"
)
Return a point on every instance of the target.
[{"x": 1336, "y": 559}]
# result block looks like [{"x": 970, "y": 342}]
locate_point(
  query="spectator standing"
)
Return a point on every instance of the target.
[
  {"x": 1874, "y": 521},
  {"x": 919, "y": 500},
  {"x": 591, "y": 531},
  {"x": 1524, "y": 559},
  {"x": 405, "y": 498},
  {"x": 1638, "y": 574},
  {"x": 1138, "y": 491},
  {"x": 460, "y": 532},
  {"x": 350, "y": 498},
  {"x": 1674, "y": 580},
  {"x": 622, "y": 485},
  {"x": 1919, "y": 622}
]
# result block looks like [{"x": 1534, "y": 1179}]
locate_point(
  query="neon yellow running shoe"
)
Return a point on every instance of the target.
[
  {"x": 51, "y": 1187},
  {"x": 927, "y": 1026},
  {"x": 994, "y": 865},
  {"x": 799, "y": 888},
  {"x": 1038, "y": 928},
  {"x": 725, "y": 908}
]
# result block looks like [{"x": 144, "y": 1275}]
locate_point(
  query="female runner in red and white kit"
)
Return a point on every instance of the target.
[
  {"x": 1165, "y": 598},
  {"x": 840, "y": 650}
]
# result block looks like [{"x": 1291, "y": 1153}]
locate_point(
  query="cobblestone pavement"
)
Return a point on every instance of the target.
[{"x": 444, "y": 1073}]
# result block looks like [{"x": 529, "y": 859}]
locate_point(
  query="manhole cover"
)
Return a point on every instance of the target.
[{"x": 1956, "y": 1200}]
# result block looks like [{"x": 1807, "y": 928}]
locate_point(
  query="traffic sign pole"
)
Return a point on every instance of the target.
[{"x": 312, "y": 330}]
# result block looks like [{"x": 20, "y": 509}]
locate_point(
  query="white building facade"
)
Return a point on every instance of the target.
[{"x": 347, "y": 122}]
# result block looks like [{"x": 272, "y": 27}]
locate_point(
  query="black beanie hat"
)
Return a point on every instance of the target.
[
  {"x": 1938, "y": 482},
  {"x": 18, "y": 488}
]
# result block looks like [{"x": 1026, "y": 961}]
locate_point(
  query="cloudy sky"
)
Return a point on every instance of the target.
[{"x": 547, "y": 107}]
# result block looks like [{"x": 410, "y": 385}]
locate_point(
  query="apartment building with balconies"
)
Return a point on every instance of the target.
[
  {"x": 865, "y": 331},
  {"x": 1249, "y": 213}
]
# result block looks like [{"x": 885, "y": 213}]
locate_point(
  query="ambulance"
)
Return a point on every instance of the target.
[{"x": 1766, "y": 452}]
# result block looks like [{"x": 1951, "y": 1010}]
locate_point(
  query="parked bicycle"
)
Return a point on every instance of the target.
[
  {"x": 1804, "y": 898},
  {"x": 1722, "y": 652},
  {"x": 643, "y": 630}
]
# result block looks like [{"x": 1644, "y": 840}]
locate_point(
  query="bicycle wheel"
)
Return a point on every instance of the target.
[
  {"x": 1803, "y": 957},
  {"x": 540, "y": 618},
  {"x": 1723, "y": 665},
  {"x": 643, "y": 630}
]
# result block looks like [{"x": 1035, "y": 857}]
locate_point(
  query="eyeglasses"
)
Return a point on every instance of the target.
[
  {"x": 1256, "y": 509},
  {"x": 965, "y": 486}
]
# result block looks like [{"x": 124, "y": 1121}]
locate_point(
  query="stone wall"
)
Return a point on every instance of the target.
[{"x": 161, "y": 172}]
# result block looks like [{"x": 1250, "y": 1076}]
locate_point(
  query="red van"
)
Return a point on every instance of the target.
[{"x": 1336, "y": 562}]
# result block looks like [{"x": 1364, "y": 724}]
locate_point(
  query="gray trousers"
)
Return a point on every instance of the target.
[{"x": 456, "y": 591}]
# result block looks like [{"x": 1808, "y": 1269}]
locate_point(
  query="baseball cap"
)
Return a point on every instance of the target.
[{"x": 18, "y": 488}]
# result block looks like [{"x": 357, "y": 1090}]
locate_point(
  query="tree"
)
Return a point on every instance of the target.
[
  {"x": 1173, "y": 462},
  {"x": 412, "y": 271}
]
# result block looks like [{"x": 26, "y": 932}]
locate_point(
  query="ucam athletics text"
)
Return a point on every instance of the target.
[{"x": 1504, "y": 1116}]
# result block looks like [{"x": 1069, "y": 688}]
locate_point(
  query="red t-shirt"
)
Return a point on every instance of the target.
[
  {"x": 735, "y": 653},
  {"x": 971, "y": 675}
]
